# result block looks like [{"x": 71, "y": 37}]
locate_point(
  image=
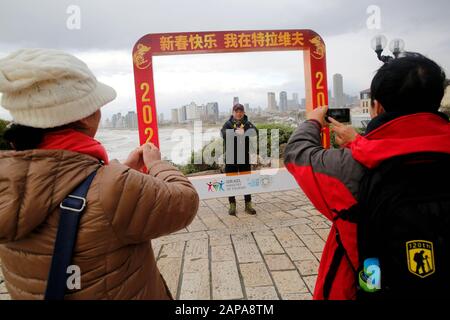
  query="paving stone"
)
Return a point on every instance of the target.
[
  {"x": 318, "y": 255},
  {"x": 313, "y": 242},
  {"x": 287, "y": 238},
  {"x": 3, "y": 289},
  {"x": 196, "y": 225},
  {"x": 282, "y": 215},
  {"x": 195, "y": 283},
  {"x": 219, "y": 237},
  {"x": 183, "y": 237},
  {"x": 245, "y": 248},
  {"x": 300, "y": 253},
  {"x": 319, "y": 225},
  {"x": 156, "y": 250},
  {"x": 286, "y": 197},
  {"x": 323, "y": 233},
  {"x": 5, "y": 297},
  {"x": 196, "y": 249},
  {"x": 307, "y": 267},
  {"x": 222, "y": 253},
  {"x": 301, "y": 229},
  {"x": 299, "y": 213},
  {"x": 268, "y": 243},
  {"x": 261, "y": 293},
  {"x": 170, "y": 269},
  {"x": 255, "y": 274},
  {"x": 284, "y": 205},
  {"x": 289, "y": 282},
  {"x": 279, "y": 262},
  {"x": 310, "y": 282},
  {"x": 288, "y": 223},
  {"x": 226, "y": 284},
  {"x": 172, "y": 250},
  {"x": 296, "y": 296},
  {"x": 213, "y": 223}
]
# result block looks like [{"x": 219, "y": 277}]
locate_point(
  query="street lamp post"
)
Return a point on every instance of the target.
[{"x": 396, "y": 46}]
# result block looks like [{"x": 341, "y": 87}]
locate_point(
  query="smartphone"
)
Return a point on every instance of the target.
[{"x": 339, "y": 114}]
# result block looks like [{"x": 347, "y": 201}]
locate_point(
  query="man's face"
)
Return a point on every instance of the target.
[{"x": 238, "y": 114}]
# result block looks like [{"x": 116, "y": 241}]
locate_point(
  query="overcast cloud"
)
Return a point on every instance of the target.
[{"x": 109, "y": 30}]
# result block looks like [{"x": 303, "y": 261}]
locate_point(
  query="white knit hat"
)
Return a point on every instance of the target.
[{"x": 44, "y": 88}]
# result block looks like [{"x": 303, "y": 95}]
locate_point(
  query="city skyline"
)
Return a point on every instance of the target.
[{"x": 344, "y": 99}]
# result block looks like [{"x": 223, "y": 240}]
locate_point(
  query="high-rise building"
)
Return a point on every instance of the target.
[
  {"x": 271, "y": 102},
  {"x": 338, "y": 91},
  {"x": 283, "y": 101},
  {"x": 131, "y": 120},
  {"x": 161, "y": 118},
  {"x": 182, "y": 114},
  {"x": 293, "y": 104},
  {"x": 212, "y": 111},
  {"x": 191, "y": 111},
  {"x": 235, "y": 101},
  {"x": 303, "y": 104},
  {"x": 174, "y": 115}
]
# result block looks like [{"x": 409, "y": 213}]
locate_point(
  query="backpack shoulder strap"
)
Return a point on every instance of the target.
[{"x": 72, "y": 208}]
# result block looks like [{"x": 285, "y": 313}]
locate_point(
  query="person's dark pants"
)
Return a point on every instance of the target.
[{"x": 236, "y": 168}]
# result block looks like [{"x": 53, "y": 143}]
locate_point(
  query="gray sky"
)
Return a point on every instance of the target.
[{"x": 109, "y": 30}]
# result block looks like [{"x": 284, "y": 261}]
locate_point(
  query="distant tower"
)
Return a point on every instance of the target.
[
  {"x": 235, "y": 101},
  {"x": 271, "y": 102},
  {"x": 283, "y": 101},
  {"x": 175, "y": 116},
  {"x": 338, "y": 90}
]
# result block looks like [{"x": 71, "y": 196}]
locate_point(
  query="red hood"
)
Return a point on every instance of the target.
[{"x": 421, "y": 132}]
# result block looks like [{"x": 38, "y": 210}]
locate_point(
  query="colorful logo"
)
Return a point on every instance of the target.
[
  {"x": 420, "y": 257},
  {"x": 139, "y": 57},
  {"x": 370, "y": 276},
  {"x": 319, "y": 52},
  {"x": 215, "y": 186}
]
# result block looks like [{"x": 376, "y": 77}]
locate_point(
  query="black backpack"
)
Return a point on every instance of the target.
[{"x": 403, "y": 218}]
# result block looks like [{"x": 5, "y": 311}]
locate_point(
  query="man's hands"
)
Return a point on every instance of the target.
[
  {"x": 318, "y": 114},
  {"x": 344, "y": 134},
  {"x": 142, "y": 156},
  {"x": 240, "y": 131}
]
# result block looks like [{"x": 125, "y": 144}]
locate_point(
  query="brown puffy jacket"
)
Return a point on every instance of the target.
[{"x": 125, "y": 210}]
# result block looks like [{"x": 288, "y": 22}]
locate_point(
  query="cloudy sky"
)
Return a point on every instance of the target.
[{"x": 109, "y": 29}]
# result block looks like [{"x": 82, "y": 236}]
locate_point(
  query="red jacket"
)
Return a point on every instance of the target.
[{"x": 330, "y": 178}]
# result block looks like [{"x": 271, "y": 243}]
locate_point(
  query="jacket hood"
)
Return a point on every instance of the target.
[
  {"x": 32, "y": 185},
  {"x": 415, "y": 133}
]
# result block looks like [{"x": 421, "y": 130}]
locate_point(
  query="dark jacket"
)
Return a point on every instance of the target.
[
  {"x": 330, "y": 177},
  {"x": 240, "y": 143}
]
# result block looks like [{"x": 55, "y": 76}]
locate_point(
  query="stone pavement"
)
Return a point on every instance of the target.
[{"x": 273, "y": 255}]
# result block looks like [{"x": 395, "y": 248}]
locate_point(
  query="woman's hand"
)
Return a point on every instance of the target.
[
  {"x": 150, "y": 154},
  {"x": 135, "y": 159},
  {"x": 344, "y": 134}
]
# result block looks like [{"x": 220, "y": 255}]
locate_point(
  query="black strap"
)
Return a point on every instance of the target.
[
  {"x": 72, "y": 208},
  {"x": 332, "y": 271}
]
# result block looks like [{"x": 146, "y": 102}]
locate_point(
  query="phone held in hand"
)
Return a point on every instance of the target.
[{"x": 339, "y": 114}]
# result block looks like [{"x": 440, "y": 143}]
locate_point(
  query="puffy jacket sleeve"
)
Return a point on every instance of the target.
[
  {"x": 141, "y": 207},
  {"x": 329, "y": 177}
]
